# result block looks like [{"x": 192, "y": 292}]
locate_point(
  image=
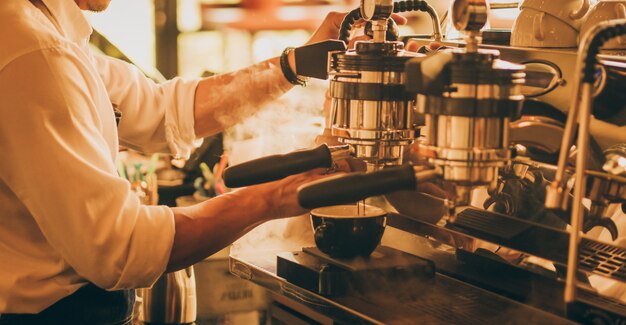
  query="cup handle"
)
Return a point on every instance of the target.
[
  {"x": 580, "y": 13},
  {"x": 537, "y": 26},
  {"x": 321, "y": 231}
]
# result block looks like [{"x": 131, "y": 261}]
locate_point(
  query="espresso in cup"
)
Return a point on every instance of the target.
[{"x": 347, "y": 231}]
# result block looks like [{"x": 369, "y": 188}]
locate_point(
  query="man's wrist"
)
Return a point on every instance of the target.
[
  {"x": 288, "y": 67},
  {"x": 291, "y": 58}
]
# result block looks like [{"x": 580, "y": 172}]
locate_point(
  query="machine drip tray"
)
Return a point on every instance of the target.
[{"x": 386, "y": 267}]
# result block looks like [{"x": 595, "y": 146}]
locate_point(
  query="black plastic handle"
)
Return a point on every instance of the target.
[
  {"x": 312, "y": 60},
  {"x": 272, "y": 168},
  {"x": 356, "y": 186}
]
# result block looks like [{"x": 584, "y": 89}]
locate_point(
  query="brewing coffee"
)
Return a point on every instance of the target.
[{"x": 347, "y": 231}]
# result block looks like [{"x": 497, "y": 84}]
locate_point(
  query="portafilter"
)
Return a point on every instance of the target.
[{"x": 275, "y": 167}]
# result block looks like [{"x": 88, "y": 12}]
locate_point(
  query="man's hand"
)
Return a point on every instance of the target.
[
  {"x": 329, "y": 29},
  {"x": 207, "y": 227},
  {"x": 283, "y": 193}
]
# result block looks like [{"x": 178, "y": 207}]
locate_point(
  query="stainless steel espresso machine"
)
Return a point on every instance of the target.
[
  {"x": 512, "y": 242},
  {"x": 371, "y": 113},
  {"x": 467, "y": 98}
]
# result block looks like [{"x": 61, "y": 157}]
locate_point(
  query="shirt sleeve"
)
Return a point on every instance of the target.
[
  {"x": 61, "y": 167},
  {"x": 155, "y": 117}
]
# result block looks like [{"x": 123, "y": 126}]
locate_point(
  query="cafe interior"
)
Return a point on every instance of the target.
[{"x": 487, "y": 141}]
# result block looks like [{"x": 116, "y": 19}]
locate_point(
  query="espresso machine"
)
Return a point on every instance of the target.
[
  {"x": 371, "y": 113},
  {"x": 486, "y": 125},
  {"x": 467, "y": 97}
]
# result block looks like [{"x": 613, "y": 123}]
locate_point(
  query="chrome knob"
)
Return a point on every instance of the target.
[
  {"x": 470, "y": 16},
  {"x": 376, "y": 9}
]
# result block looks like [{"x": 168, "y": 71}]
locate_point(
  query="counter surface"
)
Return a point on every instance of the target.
[{"x": 443, "y": 300}]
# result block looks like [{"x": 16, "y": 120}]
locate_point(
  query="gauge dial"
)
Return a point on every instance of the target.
[
  {"x": 368, "y": 9},
  {"x": 469, "y": 15}
]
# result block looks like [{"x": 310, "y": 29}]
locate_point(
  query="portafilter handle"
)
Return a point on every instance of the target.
[
  {"x": 275, "y": 167},
  {"x": 358, "y": 186}
]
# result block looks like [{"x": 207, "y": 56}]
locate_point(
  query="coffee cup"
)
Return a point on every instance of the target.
[
  {"x": 570, "y": 12},
  {"x": 603, "y": 11},
  {"x": 534, "y": 28},
  {"x": 347, "y": 231}
]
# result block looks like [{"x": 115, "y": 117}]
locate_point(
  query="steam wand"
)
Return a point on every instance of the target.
[{"x": 556, "y": 194}]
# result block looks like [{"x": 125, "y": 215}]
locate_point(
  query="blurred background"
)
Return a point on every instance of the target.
[{"x": 189, "y": 37}]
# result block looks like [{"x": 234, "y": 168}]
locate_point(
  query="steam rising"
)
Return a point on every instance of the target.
[
  {"x": 282, "y": 126},
  {"x": 287, "y": 124},
  {"x": 248, "y": 87}
]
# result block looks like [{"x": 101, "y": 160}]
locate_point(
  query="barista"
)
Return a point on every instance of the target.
[{"x": 74, "y": 239}]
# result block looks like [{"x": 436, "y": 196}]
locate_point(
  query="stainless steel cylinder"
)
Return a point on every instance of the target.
[
  {"x": 171, "y": 300},
  {"x": 468, "y": 150},
  {"x": 378, "y": 130},
  {"x": 467, "y": 123},
  {"x": 370, "y": 109}
]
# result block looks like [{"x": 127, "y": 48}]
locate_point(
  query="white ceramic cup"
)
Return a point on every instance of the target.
[
  {"x": 534, "y": 28},
  {"x": 569, "y": 11},
  {"x": 603, "y": 11}
]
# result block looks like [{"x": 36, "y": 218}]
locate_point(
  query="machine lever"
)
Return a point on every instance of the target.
[
  {"x": 275, "y": 167},
  {"x": 356, "y": 186},
  {"x": 312, "y": 60}
]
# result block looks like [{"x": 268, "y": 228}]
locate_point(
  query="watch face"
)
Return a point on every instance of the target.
[{"x": 368, "y": 8}]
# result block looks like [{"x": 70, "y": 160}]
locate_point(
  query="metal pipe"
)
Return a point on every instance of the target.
[
  {"x": 437, "y": 35},
  {"x": 379, "y": 29},
  {"x": 579, "y": 192},
  {"x": 584, "y": 118},
  {"x": 504, "y": 5},
  {"x": 556, "y": 193}
]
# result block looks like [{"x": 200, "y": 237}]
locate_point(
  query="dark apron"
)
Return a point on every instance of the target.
[{"x": 89, "y": 305}]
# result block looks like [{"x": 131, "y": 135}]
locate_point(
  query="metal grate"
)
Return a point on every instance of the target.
[
  {"x": 600, "y": 258},
  {"x": 455, "y": 304},
  {"x": 458, "y": 308},
  {"x": 603, "y": 258},
  {"x": 489, "y": 223}
]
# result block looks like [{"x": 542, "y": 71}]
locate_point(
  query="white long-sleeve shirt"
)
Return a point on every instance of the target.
[{"x": 66, "y": 218}]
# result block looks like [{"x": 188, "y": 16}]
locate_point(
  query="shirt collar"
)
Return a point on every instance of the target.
[{"x": 70, "y": 18}]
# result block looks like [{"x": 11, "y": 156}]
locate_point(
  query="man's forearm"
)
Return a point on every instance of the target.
[
  {"x": 205, "y": 228},
  {"x": 226, "y": 99}
]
